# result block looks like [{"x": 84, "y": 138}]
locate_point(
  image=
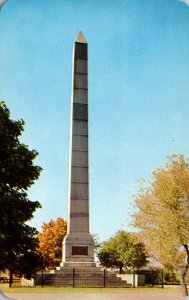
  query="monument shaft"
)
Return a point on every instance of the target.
[
  {"x": 79, "y": 179},
  {"x": 78, "y": 245}
]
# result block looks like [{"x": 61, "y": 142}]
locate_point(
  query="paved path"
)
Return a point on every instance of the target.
[{"x": 99, "y": 296}]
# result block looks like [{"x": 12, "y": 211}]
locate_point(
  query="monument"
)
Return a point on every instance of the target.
[
  {"x": 78, "y": 245},
  {"x": 78, "y": 267}
]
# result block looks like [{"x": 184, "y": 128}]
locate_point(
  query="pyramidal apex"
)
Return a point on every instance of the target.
[{"x": 80, "y": 38}]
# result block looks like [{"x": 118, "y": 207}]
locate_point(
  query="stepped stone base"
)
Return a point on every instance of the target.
[
  {"x": 77, "y": 265},
  {"x": 80, "y": 277}
]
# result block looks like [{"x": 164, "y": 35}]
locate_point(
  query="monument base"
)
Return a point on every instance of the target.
[
  {"x": 78, "y": 251},
  {"x": 77, "y": 265},
  {"x": 80, "y": 277}
]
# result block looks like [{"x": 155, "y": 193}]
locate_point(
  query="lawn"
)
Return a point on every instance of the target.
[
  {"x": 48, "y": 293},
  {"x": 68, "y": 290}
]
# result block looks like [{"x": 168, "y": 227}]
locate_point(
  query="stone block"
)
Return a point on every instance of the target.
[
  {"x": 80, "y": 239},
  {"x": 80, "y": 51},
  {"x": 79, "y": 175},
  {"x": 79, "y": 159},
  {"x": 79, "y": 191},
  {"x": 80, "y": 81},
  {"x": 80, "y": 127},
  {"x": 80, "y": 111},
  {"x": 79, "y": 215},
  {"x": 80, "y": 96},
  {"x": 79, "y": 143},
  {"x": 79, "y": 224},
  {"x": 78, "y": 205},
  {"x": 81, "y": 66}
]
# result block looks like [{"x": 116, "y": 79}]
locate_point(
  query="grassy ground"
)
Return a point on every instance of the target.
[
  {"x": 54, "y": 290},
  {"x": 48, "y": 293}
]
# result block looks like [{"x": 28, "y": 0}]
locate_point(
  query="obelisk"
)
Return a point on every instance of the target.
[{"x": 78, "y": 245}]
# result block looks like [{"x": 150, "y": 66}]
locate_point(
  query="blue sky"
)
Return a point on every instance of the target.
[{"x": 138, "y": 95}]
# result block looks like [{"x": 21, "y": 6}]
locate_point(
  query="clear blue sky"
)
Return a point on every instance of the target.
[{"x": 138, "y": 94}]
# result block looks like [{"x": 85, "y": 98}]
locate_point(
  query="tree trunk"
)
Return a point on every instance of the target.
[
  {"x": 183, "y": 273},
  {"x": 183, "y": 284},
  {"x": 10, "y": 279}
]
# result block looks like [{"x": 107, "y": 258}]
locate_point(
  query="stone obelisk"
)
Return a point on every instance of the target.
[{"x": 78, "y": 245}]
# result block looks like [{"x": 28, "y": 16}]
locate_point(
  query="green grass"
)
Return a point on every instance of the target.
[{"x": 68, "y": 290}]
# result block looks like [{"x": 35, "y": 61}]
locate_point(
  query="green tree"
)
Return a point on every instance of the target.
[
  {"x": 18, "y": 241},
  {"x": 123, "y": 250},
  {"x": 162, "y": 216},
  {"x": 50, "y": 242}
]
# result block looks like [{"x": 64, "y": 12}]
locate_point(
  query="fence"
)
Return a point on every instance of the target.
[
  {"x": 80, "y": 278},
  {"x": 16, "y": 282},
  {"x": 106, "y": 278},
  {"x": 99, "y": 278}
]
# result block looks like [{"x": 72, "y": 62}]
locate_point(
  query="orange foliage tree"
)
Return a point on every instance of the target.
[{"x": 50, "y": 242}]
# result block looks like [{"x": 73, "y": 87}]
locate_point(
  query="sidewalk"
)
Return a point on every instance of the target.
[{"x": 99, "y": 296}]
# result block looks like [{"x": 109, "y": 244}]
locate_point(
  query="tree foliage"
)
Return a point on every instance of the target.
[
  {"x": 123, "y": 250},
  {"x": 50, "y": 242},
  {"x": 18, "y": 241},
  {"x": 163, "y": 215}
]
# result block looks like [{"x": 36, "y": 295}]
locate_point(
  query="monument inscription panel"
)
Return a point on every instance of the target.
[{"x": 79, "y": 250}]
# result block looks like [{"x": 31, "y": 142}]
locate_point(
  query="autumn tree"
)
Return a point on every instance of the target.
[
  {"x": 123, "y": 250},
  {"x": 18, "y": 240},
  {"x": 50, "y": 242},
  {"x": 162, "y": 216}
]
